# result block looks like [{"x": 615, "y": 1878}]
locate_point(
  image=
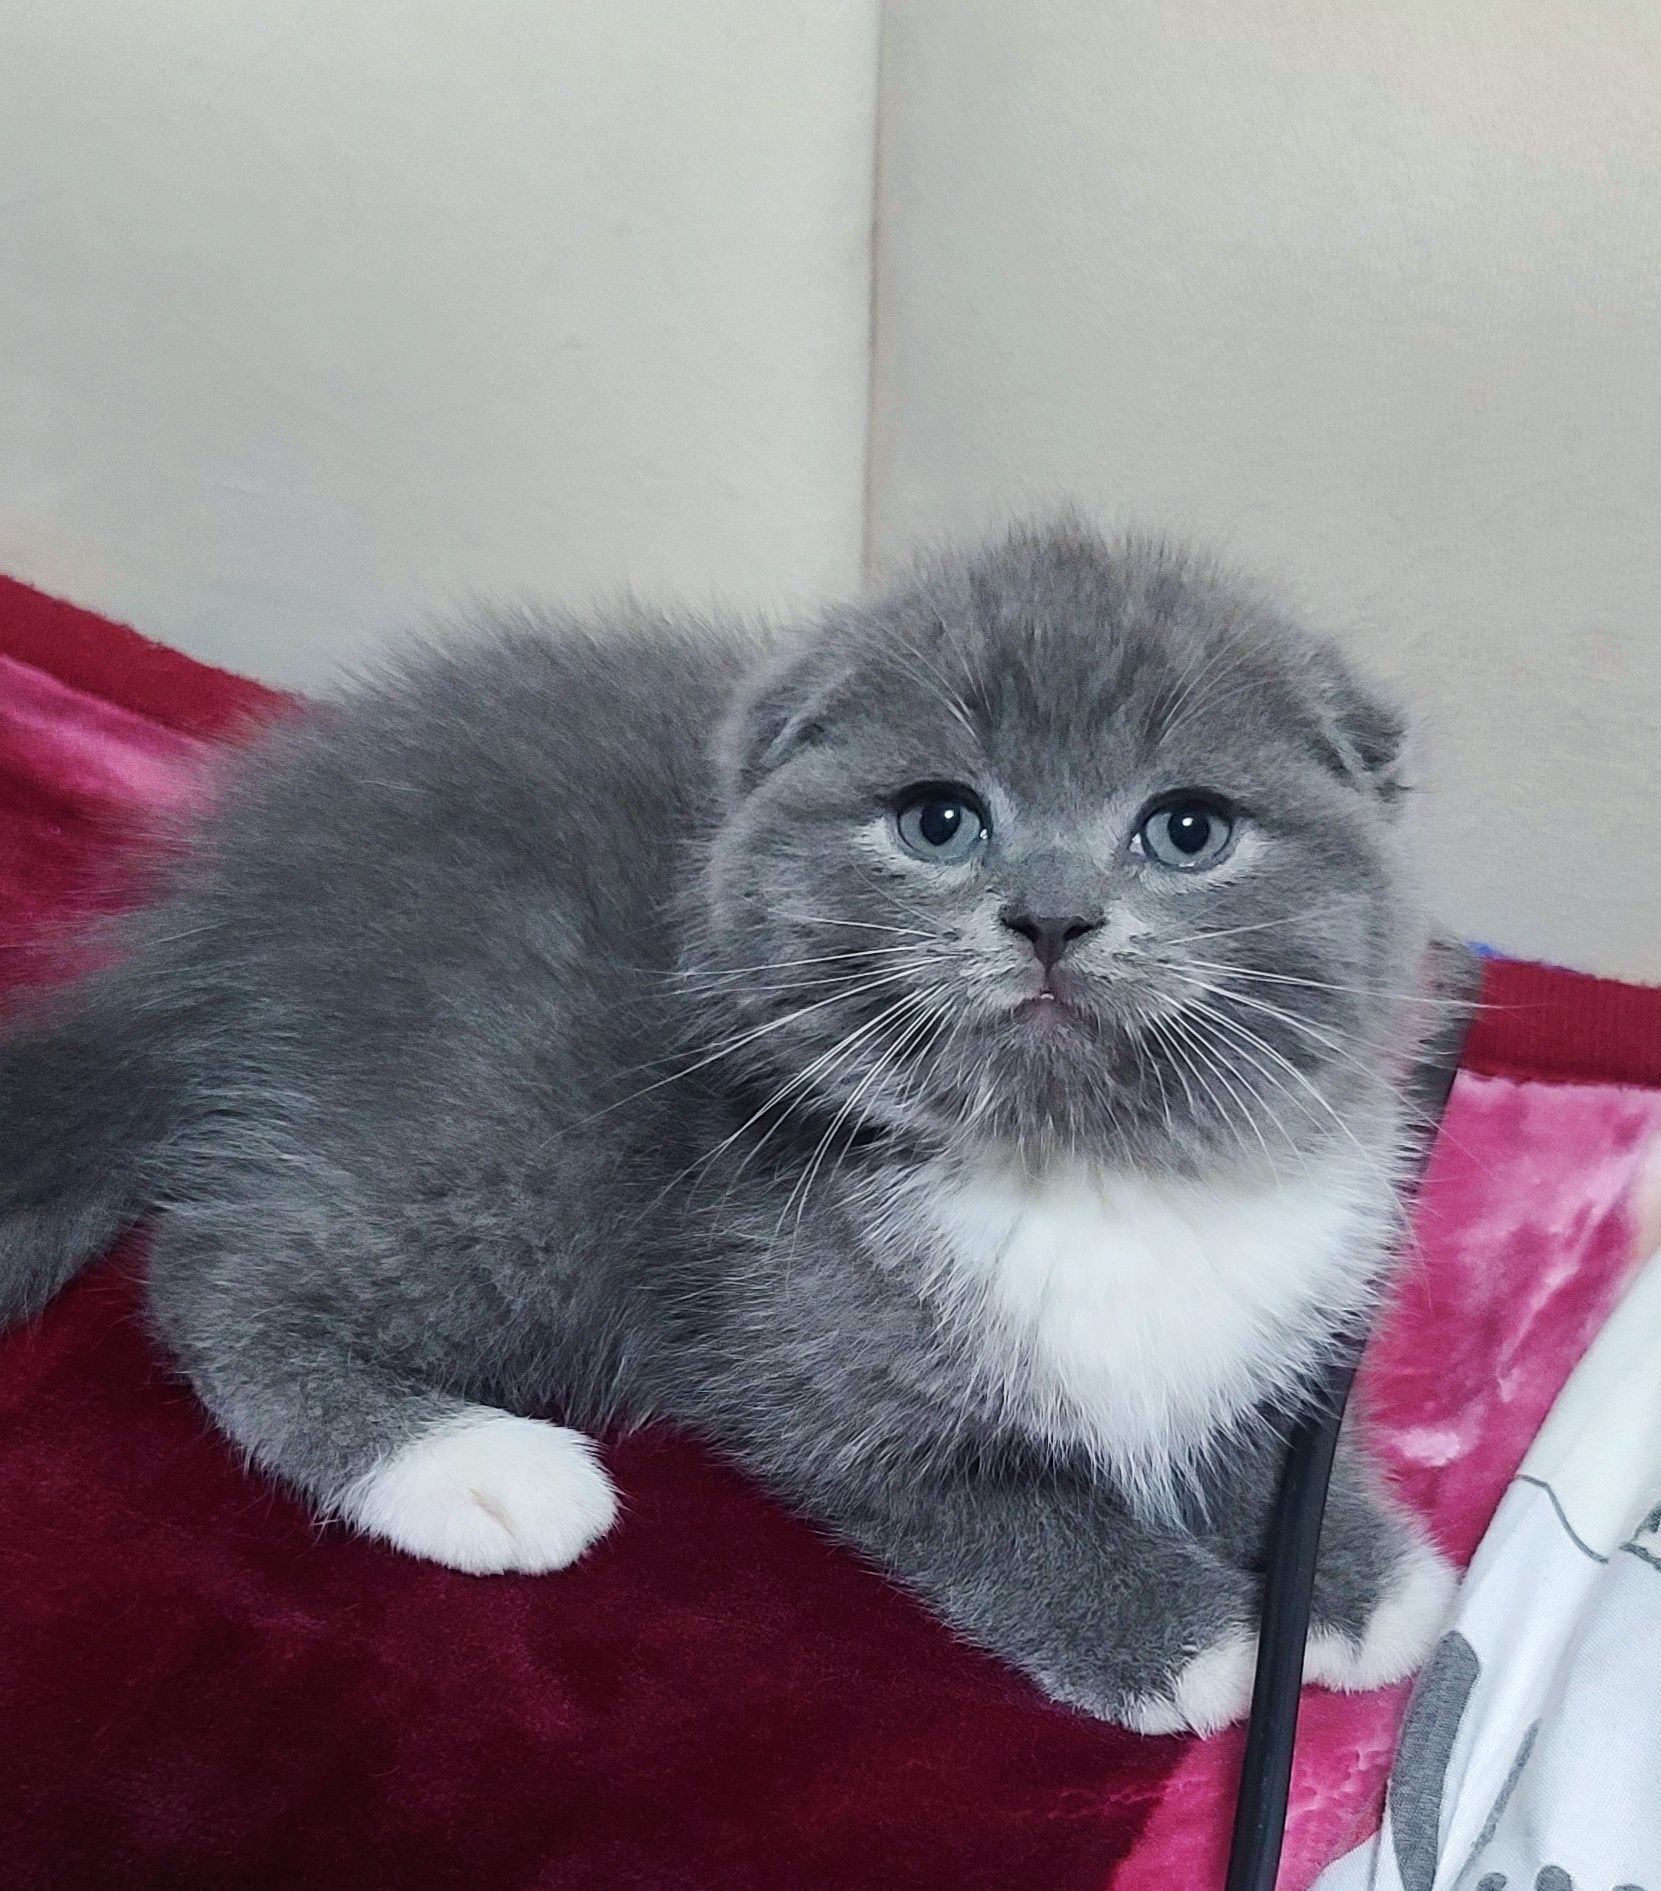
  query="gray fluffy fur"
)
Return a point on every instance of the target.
[{"x": 495, "y": 1040}]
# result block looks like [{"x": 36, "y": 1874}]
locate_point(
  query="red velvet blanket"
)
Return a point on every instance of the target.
[{"x": 199, "y": 1689}]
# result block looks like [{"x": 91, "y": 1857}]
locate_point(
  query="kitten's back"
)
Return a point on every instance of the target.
[
  {"x": 532, "y": 764},
  {"x": 468, "y": 858}
]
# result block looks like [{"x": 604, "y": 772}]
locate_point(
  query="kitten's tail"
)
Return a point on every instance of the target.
[{"x": 85, "y": 1098}]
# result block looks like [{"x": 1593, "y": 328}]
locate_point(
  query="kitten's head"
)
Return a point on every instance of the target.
[{"x": 1066, "y": 845}]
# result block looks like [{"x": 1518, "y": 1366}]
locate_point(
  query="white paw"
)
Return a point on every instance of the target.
[
  {"x": 1212, "y": 1691},
  {"x": 487, "y": 1492},
  {"x": 1402, "y": 1631}
]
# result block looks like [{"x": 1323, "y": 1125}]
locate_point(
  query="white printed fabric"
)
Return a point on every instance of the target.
[{"x": 1531, "y": 1755}]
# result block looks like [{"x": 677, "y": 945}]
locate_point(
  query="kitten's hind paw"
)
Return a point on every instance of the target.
[
  {"x": 1400, "y": 1632},
  {"x": 1213, "y": 1690},
  {"x": 487, "y": 1492}
]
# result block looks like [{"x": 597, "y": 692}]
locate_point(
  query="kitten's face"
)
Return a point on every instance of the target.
[{"x": 1072, "y": 848}]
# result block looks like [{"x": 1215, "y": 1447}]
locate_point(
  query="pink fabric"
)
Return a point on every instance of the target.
[
  {"x": 80, "y": 778},
  {"x": 1538, "y": 1207},
  {"x": 91, "y": 749}
]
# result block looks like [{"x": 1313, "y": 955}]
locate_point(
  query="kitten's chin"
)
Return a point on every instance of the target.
[{"x": 1049, "y": 1069}]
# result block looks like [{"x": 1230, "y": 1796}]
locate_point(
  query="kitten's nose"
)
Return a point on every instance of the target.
[{"x": 1049, "y": 934}]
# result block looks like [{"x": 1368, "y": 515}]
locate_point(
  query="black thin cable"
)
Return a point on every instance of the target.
[{"x": 1300, "y": 1507}]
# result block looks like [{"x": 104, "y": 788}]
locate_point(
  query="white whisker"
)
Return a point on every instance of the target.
[
  {"x": 859, "y": 925},
  {"x": 1262, "y": 925},
  {"x": 740, "y": 1042},
  {"x": 1243, "y": 1037},
  {"x": 1388, "y": 995},
  {"x": 804, "y": 1183}
]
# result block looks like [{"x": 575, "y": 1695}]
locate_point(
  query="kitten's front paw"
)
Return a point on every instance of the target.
[
  {"x": 1212, "y": 1691},
  {"x": 486, "y": 1492},
  {"x": 1207, "y": 1691},
  {"x": 1400, "y": 1632}
]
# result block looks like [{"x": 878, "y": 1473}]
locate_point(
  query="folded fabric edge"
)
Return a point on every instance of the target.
[
  {"x": 1548, "y": 1024},
  {"x": 135, "y": 673}
]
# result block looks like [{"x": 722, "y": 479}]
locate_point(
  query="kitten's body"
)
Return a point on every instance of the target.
[{"x": 510, "y": 1043}]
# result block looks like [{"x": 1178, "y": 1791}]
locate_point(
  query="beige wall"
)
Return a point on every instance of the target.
[
  {"x": 314, "y": 314},
  {"x": 1368, "y": 292}
]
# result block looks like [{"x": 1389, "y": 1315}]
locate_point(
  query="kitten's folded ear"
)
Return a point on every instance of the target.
[
  {"x": 776, "y": 712},
  {"x": 1366, "y": 736}
]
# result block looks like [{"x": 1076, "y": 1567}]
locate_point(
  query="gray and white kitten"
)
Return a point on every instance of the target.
[{"x": 950, "y": 1059}]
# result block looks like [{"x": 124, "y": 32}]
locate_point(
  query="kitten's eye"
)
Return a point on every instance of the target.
[
  {"x": 942, "y": 822},
  {"x": 1186, "y": 833}
]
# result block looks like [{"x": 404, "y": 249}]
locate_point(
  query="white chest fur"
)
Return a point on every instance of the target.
[{"x": 1135, "y": 1316}]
